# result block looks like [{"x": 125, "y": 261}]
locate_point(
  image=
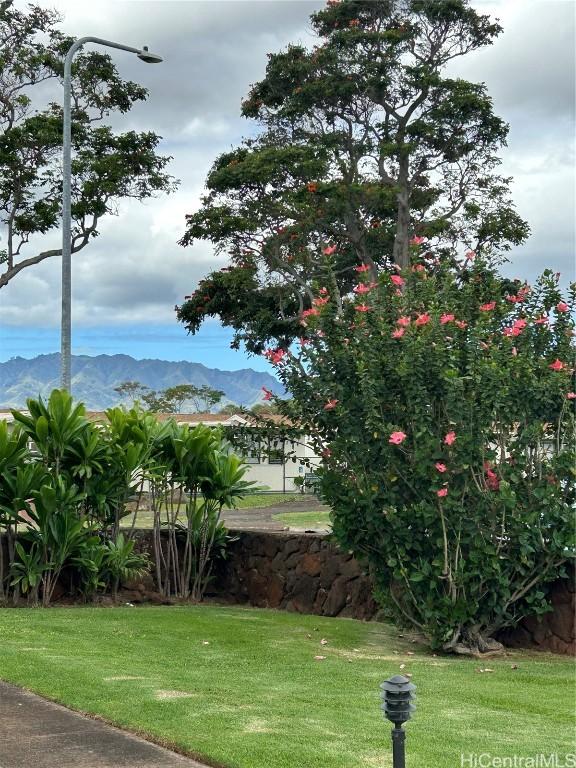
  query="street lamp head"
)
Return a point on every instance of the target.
[{"x": 149, "y": 58}]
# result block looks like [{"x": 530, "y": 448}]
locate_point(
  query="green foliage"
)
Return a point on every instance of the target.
[
  {"x": 364, "y": 142},
  {"x": 121, "y": 563},
  {"x": 28, "y": 569},
  {"x": 107, "y": 166},
  {"x": 442, "y": 401},
  {"x": 195, "y": 477},
  {"x": 171, "y": 399}
]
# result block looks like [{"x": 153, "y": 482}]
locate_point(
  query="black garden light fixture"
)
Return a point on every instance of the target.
[{"x": 397, "y": 697}]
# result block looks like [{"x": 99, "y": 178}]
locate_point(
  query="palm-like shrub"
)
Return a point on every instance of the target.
[{"x": 65, "y": 484}]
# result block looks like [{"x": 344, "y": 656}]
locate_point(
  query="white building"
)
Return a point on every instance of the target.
[{"x": 273, "y": 467}]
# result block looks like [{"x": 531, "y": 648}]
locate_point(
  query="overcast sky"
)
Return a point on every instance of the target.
[{"x": 126, "y": 283}]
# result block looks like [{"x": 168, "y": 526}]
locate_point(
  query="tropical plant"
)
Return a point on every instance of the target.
[
  {"x": 221, "y": 487},
  {"x": 122, "y": 563},
  {"x": 195, "y": 477},
  {"x": 441, "y": 399},
  {"x": 64, "y": 500},
  {"x": 56, "y": 529},
  {"x": 19, "y": 478},
  {"x": 28, "y": 570}
]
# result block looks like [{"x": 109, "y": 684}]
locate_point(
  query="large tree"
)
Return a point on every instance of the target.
[
  {"x": 365, "y": 143},
  {"x": 107, "y": 166}
]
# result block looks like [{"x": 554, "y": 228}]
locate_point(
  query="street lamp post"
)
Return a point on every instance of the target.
[
  {"x": 397, "y": 704},
  {"x": 66, "y": 328}
]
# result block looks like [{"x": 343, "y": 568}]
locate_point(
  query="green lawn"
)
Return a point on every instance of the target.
[
  {"x": 241, "y": 687},
  {"x": 303, "y": 520}
]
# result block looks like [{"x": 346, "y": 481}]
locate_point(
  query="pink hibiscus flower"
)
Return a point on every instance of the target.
[
  {"x": 404, "y": 321},
  {"x": 417, "y": 240},
  {"x": 362, "y": 268},
  {"x": 447, "y": 317},
  {"x": 397, "y": 280},
  {"x": 329, "y": 250},
  {"x": 331, "y": 404},
  {"x": 450, "y": 437},
  {"x": 422, "y": 319},
  {"x": 275, "y": 355},
  {"x": 442, "y": 492},
  {"x": 398, "y": 333},
  {"x": 557, "y": 365},
  {"x": 562, "y": 306},
  {"x": 396, "y": 438},
  {"x": 487, "y": 307},
  {"x": 440, "y": 467},
  {"x": 362, "y": 308}
]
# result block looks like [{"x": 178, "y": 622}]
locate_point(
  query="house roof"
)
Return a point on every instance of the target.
[{"x": 214, "y": 419}]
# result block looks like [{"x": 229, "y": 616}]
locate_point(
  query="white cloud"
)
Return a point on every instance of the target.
[{"x": 135, "y": 272}]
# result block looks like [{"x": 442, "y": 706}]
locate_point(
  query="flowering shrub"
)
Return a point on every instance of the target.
[{"x": 443, "y": 407}]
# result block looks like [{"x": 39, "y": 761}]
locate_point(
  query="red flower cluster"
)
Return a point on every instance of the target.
[
  {"x": 275, "y": 356},
  {"x": 516, "y": 328}
]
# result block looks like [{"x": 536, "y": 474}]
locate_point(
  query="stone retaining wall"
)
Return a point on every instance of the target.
[
  {"x": 554, "y": 631},
  {"x": 307, "y": 573},
  {"x": 297, "y": 572}
]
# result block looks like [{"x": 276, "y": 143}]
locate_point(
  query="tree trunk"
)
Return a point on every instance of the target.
[
  {"x": 401, "y": 252},
  {"x": 472, "y": 642}
]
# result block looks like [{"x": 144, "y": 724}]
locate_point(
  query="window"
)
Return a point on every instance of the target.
[
  {"x": 275, "y": 452},
  {"x": 252, "y": 451}
]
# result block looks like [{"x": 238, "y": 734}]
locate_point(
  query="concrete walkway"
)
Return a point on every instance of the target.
[{"x": 35, "y": 733}]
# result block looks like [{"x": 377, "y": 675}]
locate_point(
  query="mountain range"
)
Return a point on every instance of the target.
[{"x": 94, "y": 379}]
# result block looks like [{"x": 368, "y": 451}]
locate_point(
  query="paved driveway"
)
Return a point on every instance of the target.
[{"x": 262, "y": 518}]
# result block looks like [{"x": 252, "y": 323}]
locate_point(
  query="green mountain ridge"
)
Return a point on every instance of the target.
[{"x": 94, "y": 379}]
